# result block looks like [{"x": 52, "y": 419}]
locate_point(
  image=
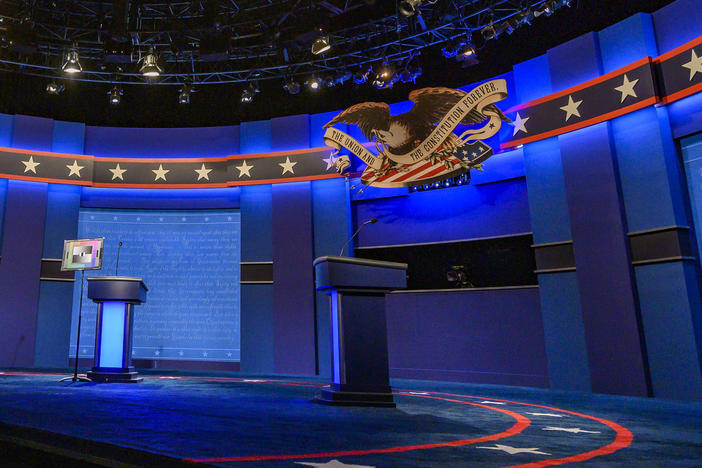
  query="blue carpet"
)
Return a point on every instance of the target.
[{"x": 272, "y": 422}]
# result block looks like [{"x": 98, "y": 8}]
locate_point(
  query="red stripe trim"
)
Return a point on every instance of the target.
[
  {"x": 581, "y": 86},
  {"x": 421, "y": 168},
  {"x": 118, "y": 185},
  {"x": 46, "y": 153},
  {"x": 44, "y": 179},
  {"x": 521, "y": 423},
  {"x": 585, "y": 123},
  {"x": 681, "y": 94},
  {"x": 161, "y": 160},
  {"x": 678, "y": 50},
  {"x": 622, "y": 440},
  {"x": 289, "y": 179}
]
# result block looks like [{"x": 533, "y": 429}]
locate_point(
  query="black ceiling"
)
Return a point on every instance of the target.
[{"x": 155, "y": 105}]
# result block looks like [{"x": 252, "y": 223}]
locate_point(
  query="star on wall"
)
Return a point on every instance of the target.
[
  {"x": 244, "y": 169},
  {"x": 572, "y": 430},
  {"x": 333, "y": 464},
  {"x": 627, "y": 88},
  {"x": 519, "y": 124},
  {"x": 30, "y": 165},
  {"x": 287, "y": 166},
  {"x": 514, "y": 450},
  {"x": 694, "y": 65},
  {"x": 160, "y": 172},
  {"x": 203, "y": 172},
  {"x": 330, "y": 162},
  {"x": 74, "y": 169},
  {"x": 571, "y": 108},
  {"x": 117, "y": 173}
]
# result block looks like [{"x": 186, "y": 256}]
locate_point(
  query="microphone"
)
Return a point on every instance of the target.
[
  {"x": 370, "y": 221},
  {"x": 117, "y": 264}
]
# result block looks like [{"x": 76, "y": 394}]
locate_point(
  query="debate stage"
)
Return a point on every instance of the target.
[{"x": 178, "y": 419}]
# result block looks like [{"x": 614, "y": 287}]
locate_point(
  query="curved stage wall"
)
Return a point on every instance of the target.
[{"x": 617, "y": 308}]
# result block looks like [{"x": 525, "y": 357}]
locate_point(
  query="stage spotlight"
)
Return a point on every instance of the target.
[
  {"x": 456, "y": 275},
  {"x": 321, "y": 44},
  {"x": 543, "y": 9},
  {"x": 447, "y": 183},
  {"x": 247, "y": 95},
  {"x": 115, "y": 95},
  {"x": 71, "y": 63},
  {"x": 291, "y": 86},
  {"x": 489, "y": 32},
  {"x": 55, "y": 88},
  {"x": 436, "y": 184},
  {"x": 313, "y": 83},
  {"x": 328, "y": 81},
  {"x": 184, "y": 93},
  {"x": 409, "y": 7},
  {"x": 342, "y": 77},
  {"x": 524, "y": 17},
  {"x": 150, "y": 66},
  {"x": 556, "y": 4},
  {"x": 450, "y": 50},
  {"x": 410, "y": 73},
  {"x": 385, "y": 77},
  {"x": 427, "y": 186},
  {"x": 361, "y": 75},
  {"x": 467, "y": 55}
]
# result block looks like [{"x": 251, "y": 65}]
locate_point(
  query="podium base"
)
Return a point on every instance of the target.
[
  {"x": 101, "y": 376},
  {"x": 338, "y": 398}
]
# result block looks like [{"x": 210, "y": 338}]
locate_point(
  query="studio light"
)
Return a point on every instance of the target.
[
  {"x": 150, "y": 66},
  {"x": 524, "y": 17},
  {"x": 115, "y": 95},
  {"x": 291, "y": 86},
  {"x": 410, "y": 73},
  {"x": 313, "y": 83},
  {"x": 55, "y": 88},
  {"x": 71, "y": 63},
  {"x": 409, "y": 7},
  {"x": 385, "y": 77},
  {"x": 184, "y": 93},
  {"x": 467, "y": 55},
  {"x": 247, "y": 95},
  {"x": 361, "y": 75},
  {"x": 321, "y": 44},
  {"x": 342, "y": 77},
  {"x": 449, "y": 50},
  {"x": 489, "y": 32},
  {"x": 543, "y": 9},
  {"x": 456, "y": 275}
]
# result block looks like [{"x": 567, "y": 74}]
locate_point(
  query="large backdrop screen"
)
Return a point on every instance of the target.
[{"x": 189, "y": 260}]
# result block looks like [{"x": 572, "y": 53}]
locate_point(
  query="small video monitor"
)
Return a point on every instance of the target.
[{"x": 82, "y": 254}]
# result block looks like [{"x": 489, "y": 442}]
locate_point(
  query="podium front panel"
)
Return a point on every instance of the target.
[{"x": 112, "y": 334}]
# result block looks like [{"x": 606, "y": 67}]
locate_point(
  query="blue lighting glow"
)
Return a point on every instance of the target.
[{"x": 112, "y": 334}]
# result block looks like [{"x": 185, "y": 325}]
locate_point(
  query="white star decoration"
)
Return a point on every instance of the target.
[
  {"x": 571, "y": 108},
  {"x": 287, "y": 166},
  {"x": 203, "y": 172},
  {"x": 74, "y": 169},
  {"x": 572, "y": 430},
  {"x": 519, "y": 124},
  {"x": 117, "y": 173},
  {"x": 332, "y": 464},
  {"x": 514, "y": 450},
  {"x": 694, "y": 65},
  {"x": 30, "y": 165},
  {"x": 160, "y": 172},
  {"x": 627, "y": 88},
  {"x": 547, "y": 414},
  {"x": 330, "y": 161},
  {"x": 244, "y": 169}
]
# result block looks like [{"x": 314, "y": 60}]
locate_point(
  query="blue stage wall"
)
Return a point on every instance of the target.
[{"x": 602, "y": 324}]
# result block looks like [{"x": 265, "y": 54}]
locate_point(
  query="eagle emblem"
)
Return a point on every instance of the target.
[{"x": 419, "y": 146}]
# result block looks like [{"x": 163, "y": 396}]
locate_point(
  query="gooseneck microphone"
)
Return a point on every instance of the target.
[
  {"x": 370, "y": 221},
  {"x": 117, "y": 264}
]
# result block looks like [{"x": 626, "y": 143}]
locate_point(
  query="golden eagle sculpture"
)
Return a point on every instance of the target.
[{"x": 419, "y": 146}]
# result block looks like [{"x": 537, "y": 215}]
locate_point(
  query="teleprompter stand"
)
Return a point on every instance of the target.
[{"x": 357, "y": 288}]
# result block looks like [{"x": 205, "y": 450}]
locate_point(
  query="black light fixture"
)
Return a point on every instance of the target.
[
  {"x": 291, "y": 86},
  {"x": 410, "y": 73},
  {"x": 184, "y": 93},
  {"x": 457, "y": 277},
  {"x": 150, "y": 66},
  {"x": 313, "y": 83},
  {"x": 342, "y": 76},
  {"x": 467, "y": 55},
  {"x": 543, "y": 9},
  {"x": 321, "y": 44},
  {"x": 385, "y": 76},
  {"x": 71, "y": 63},
  {"x": 489, "y": 32},
  {"x": 361, "y": 74},
  {"x": 115, "y": 95},
  {"x": 524, "y": 17},
  {"x": 409, "y": 7},
  {"x": 247, "y": 95},
  {"x": 55, "y": 88}
]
